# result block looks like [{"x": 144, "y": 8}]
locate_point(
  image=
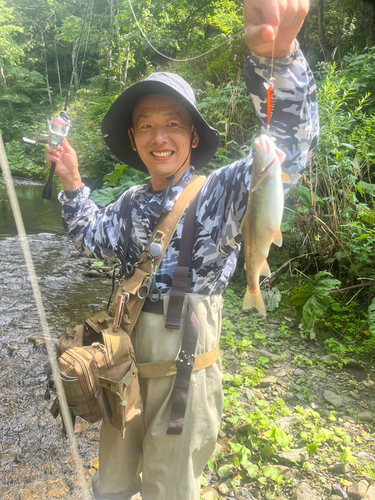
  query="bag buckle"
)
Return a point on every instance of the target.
[{"x": 185, "y": 360}]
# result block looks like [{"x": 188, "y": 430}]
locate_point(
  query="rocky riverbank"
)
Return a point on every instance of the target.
[{"x": 298, "y": 422}]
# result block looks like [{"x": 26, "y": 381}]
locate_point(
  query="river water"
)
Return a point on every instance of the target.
[{"x": 34, "y": 456}]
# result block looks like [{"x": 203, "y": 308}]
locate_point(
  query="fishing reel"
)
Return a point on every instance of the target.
[{"x": 57, "y": 130}]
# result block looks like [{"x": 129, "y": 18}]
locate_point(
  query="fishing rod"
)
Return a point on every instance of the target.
[{"x": 58, "y": 128}]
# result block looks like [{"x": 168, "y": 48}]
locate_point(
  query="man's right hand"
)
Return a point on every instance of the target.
[{"x": 66, "y": 162}]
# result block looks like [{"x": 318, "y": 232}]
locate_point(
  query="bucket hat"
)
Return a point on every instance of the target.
[{"x": 118, "y": 119}]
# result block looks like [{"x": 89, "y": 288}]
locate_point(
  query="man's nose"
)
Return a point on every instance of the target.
[{"x": 160, "y": 135}]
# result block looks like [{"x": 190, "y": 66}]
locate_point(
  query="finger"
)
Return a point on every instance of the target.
[{"x": 257, "y": 35}]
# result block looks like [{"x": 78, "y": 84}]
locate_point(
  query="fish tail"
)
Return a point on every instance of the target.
[{"x": 254, "y": 300}]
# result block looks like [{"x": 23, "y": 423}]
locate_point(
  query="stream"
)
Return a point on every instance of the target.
[{"x": 34, "y": 455}]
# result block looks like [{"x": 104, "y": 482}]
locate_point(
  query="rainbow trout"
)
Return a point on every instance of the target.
[{"x": 261, "y": 224}]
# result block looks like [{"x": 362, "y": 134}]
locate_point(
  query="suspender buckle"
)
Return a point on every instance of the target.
[{"x": 185, "y": 360}]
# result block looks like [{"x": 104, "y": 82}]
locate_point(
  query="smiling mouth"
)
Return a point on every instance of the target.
[{"x": 162, "y": 154}]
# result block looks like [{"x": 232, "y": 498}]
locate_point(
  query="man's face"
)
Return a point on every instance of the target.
[{"x": 162, "y": 131}]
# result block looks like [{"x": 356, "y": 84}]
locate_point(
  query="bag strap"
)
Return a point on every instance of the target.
[
  {"x": 181, "y": 272},
  {"x": 163, "y": 233}
]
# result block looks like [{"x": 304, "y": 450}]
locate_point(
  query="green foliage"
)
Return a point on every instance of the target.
[
  {"x": 316, "y": 303},
  {"x": 115, "y": 183},
  {"x": 371, "y": 317}
]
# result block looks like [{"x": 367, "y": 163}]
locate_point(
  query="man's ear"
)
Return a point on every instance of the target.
[
  {"x": 195, "y": 141},
  {"x": 132, "y": 141}
]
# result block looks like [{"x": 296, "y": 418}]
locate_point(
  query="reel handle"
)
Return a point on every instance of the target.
[{"x": 47, "y": 191}]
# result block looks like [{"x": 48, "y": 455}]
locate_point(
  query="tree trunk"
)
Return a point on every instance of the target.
[
  {"x": 58, "y": 70},
  {"x": 110, "y": 34},
  {"x": 372, "y": 26},
  {"x": 321, "y": 31},
  {"x": 46, "y": 68}
]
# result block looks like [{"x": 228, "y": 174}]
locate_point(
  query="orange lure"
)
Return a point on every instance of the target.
[{"x": 271, "y": 101}]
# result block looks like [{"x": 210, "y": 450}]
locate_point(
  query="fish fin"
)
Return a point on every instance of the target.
[
  {"x": 285, "y": 177},
  {"x": 258, "y": 183},
  {"x": 280, "y": 154},
  {"x": 277, "y": 238},
  {"x": 265, "y": 269},
  {"x": 254, "y": 300}
]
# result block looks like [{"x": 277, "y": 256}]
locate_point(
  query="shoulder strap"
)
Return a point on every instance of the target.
[{"x": 181, "y": 271}]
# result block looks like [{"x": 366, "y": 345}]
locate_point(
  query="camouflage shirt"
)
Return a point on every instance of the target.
[{"x": 223, "y": 200}]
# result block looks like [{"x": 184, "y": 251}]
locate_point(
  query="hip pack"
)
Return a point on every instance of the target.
[
  {"x": 98, "y": 371},
  {"x": 96, "y": 360}
]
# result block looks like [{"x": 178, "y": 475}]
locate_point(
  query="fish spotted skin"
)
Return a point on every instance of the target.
[{"x": 262, "y": 220}]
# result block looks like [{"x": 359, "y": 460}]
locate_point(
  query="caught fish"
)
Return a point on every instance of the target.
[{"x": 261, "y": 223}]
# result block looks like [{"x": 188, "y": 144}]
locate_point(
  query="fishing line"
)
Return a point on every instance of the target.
[
  {"x": 87, "y": 40},
  {"x": 171, "y": 58},
  {"x": 43, "y": 320}
]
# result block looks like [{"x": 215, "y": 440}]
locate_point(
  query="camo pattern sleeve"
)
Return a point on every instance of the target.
[
  {"x": 294, "y": 124},
  {"x": 95, "y": 232}
]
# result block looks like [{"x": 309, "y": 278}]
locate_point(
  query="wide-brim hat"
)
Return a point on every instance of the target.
[{"x": 118, "y": 120}]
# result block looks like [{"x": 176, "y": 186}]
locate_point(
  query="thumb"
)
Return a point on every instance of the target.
[
  {"x": 258, "y": 34},
  {"x": 67, "y": 147}
]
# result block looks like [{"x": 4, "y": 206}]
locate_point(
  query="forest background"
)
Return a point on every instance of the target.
[{"x": 325, "y": 269}]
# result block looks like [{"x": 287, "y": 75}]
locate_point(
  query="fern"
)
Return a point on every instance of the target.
[
  {"x": 371, "y": 317},
  {"x": 316, "y": 306}
]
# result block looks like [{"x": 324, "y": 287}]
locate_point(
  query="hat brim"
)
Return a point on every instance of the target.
[{"x": 118, "y": 121}]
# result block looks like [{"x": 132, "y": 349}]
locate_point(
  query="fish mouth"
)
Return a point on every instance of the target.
[{"x": 268, "y": 166}]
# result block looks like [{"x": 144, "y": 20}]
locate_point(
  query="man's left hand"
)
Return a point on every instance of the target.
[{"x": 278, "y": 20}]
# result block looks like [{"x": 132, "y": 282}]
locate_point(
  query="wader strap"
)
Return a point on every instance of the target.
[
  {"x": 185, "y": 365},
  {"x": 169, "y": 368},
  {"x": 181, "y": 272}
]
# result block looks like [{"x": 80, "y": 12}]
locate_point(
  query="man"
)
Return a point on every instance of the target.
[{"x": 154, "y": 126}]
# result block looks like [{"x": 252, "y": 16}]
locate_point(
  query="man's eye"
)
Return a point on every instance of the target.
[
  {"x": 145, "y": 126},
  {"x": 172, "y": 124}
]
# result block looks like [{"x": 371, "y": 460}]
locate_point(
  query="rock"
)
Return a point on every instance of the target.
[
  {"x": 367, "y": 383},
  {"x": 91, "y": 273},
  {"x": 244, "y": 494},
  {"x": 354, "y": 395},
  {"x": 249, "y": 394},
  {"x": 258, "y": 394},
  {"x": 95, "y": 463},
  {"x": 209, "y": 493},
  {"x": 265, "y": 382},
  {"x": 365, "y": 457},
  {"x": 333, "y": 399},
  {"x": 268, "y": 354},
  {"x": 314, "y": 406},
  {"x": 335, "y": 497},
  {"x": 352, "y": 363},
  {"x": 287, "y": 396},
  {"x": 340, "y": 468},
  {"x": 305, "y": 492},
  {"x": 370, "y": 495},
  {"x": 223, "y": 489},
  {"x": 337, "y": 490},
  {"x": 327, "y": 358},
  {"x": 365, "y": 416},
  {"x": 357, "y": 491},
  {"x": 287, "y": 354},
  {"x": 37, "y": 341},
  {"x": 291, "y": 457},
  {"x": 298, "y": 372},
  {"x": 281, "y": 373},
  {"x": 327, "y": 488},
  {"x": 372, "y": 403}
]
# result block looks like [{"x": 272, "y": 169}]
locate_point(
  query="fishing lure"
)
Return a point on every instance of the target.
[
  {"x": 271, "y": 95},
  {"x": 271, "y": 101}
]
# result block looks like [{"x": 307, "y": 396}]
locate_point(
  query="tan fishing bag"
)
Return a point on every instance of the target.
[{"x": 98, "y": 371}]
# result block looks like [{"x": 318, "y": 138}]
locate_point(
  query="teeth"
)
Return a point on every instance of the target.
[{"x": 162, "y": 154}]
